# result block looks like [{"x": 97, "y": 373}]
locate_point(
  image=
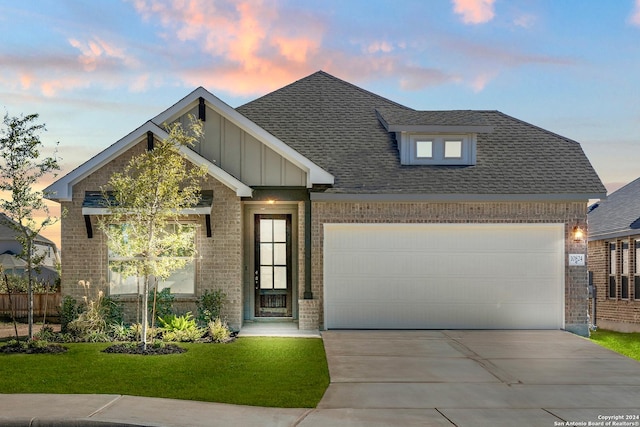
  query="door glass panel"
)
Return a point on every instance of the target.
[
  {"x": 280, "y": 253},
  {"x": 266, "y": 230},
  {"x": 266, "y": 277},
  {"x": 280, "y": 278},
  {"x": 266, "y": 254},
  {"x": 279, "y": 230}
]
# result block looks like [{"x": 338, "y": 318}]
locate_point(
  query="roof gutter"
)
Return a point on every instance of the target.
[{"x": 432, "y": 197}]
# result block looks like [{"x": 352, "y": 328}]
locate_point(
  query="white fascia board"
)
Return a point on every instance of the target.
[
  {"x": 315, "y": 174},
  {"x": 62, "y": 189},
  {"x": 241, "y": 189}
]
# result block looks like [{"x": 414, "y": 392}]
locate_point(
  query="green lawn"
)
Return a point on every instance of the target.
[
  {"x": 627, "y": 344},
  {"x": 278, "y": 372}
]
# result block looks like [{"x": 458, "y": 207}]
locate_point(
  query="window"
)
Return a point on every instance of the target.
[
  {"x": 452, "y": 149},
  {"x": 424, "y": 149},
  {"x": 124, "y": 275},
  {"x": 624, "y": 278},
  {"x": 636, "y": 287},
  {"x": 416, "y": 149},
  {"x": 612, "y": 270}
]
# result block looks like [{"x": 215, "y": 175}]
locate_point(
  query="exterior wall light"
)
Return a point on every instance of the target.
[{"x": 578, "y": 234}]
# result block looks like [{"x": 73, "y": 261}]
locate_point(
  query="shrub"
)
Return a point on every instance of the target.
[
  {"x": 20, "y": 284},
  {"x": 97, "y": 336},
  {"x": 68, "y": 310},
  {"x": 90, "y": 321},
  {"x": 45, "y": 334},
  {"x": 219, "y": 331},
  {"x": 180, "y": 328},
  {"x": 210, "y": 305},
  {"x": 184, "y": 335},
  {"x": 135, "y": 332},
  {"x": 178, "y": 323},
  {"x": 111, "y": 310},
  {"x": 120, "y": 332}
]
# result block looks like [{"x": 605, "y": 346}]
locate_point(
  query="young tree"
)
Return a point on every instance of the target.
[
  {"x": 145, "y": 201},
  {"x": 21, "y": 167}
]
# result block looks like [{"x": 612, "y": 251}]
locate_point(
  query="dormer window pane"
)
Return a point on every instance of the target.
[
  {"x": 424, "y": 149},
  {"x": 453, "y": 149}
]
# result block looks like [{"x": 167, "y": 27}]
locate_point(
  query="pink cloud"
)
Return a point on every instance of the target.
[
  {"x": 635, "y": 17},
  {"x": 252, "y": 47},
  {"x": 96, "y": 51},
  {"x": 474, "y": 11}
]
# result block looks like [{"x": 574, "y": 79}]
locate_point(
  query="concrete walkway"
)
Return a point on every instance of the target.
[{"x": 401, "y": 378}]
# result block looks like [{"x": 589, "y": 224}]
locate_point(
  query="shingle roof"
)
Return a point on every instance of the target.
[
  {"x": 8, "y": 233},
  {"x": 95, "y": 199},
  {"x": 401, "y": 117},
  {"x": 617, "y": 215},
  {"x": 335, "y": 125}
]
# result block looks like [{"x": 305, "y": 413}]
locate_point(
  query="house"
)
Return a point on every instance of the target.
[
  {"x": 614, "y": 259},
  {"x": 11, "y": 248},
  {"x": 339, "y": 208}
]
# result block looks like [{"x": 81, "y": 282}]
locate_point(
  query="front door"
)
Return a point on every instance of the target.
[{"x": 272, "y": 273}]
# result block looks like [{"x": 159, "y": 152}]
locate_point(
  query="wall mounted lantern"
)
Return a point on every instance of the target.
[{"x": 578, "y": 234}]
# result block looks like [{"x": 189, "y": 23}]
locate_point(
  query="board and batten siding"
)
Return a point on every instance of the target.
[{"x": 242, "y": 155}]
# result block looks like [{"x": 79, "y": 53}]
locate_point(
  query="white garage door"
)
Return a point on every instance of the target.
[{"x": 444, "y": 276}]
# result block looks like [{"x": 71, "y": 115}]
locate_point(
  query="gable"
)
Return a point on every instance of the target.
[
  {"x": 247, "y": 133},
  {"x": 62, "y": 189},
  {"x": 618, "y": 215},
  {"x": 242, "y": 155}
]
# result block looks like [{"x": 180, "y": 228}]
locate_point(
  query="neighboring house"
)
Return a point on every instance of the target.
[
  {"x": 614, "y": 259},
  {"x": 339, "y": 208},
  {"x": 11, "y": 248}
]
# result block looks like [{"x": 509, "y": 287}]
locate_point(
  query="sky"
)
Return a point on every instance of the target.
[{"x": 96, "y": 70}]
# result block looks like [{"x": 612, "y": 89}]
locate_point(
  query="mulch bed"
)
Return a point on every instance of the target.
[
  {"x": 26, "y": 349},
  {"x": 139, "y": 349}
]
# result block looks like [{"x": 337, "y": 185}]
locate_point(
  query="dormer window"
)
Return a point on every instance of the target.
[
  {"x": 416, "y": 149},
  {"x": 445, "y": 138}
]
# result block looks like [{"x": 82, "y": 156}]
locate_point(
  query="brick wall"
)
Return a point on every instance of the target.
[
  {"x": 218, "y": 264},
  {"x": 614, "y": 313},
  {"x": 569, "y": 213}
]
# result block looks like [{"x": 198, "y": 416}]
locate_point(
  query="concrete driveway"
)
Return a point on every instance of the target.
[{"x": 475, "y": 378}]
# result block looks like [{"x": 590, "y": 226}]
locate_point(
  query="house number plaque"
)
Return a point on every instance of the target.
[{"x": 576, "y": 259}]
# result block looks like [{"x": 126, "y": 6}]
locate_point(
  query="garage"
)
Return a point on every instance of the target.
[{"x": 444, "y": 276}]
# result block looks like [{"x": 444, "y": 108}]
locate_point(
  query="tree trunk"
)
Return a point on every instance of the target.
[
  {"x": 13, "y": 312},
  {"x": 145, "y": 312},
  {"x": 30, "y": 288}
]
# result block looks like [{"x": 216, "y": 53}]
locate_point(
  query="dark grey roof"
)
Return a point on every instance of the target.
[
  {"x": 617, "y": 215},
  {"x": 335, "y": 124},
  {"x": 402, "y": 119},
  {"x": 9, "y": 233}
]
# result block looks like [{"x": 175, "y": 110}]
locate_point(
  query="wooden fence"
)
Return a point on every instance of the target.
[{"x": 50, "y": 302}]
